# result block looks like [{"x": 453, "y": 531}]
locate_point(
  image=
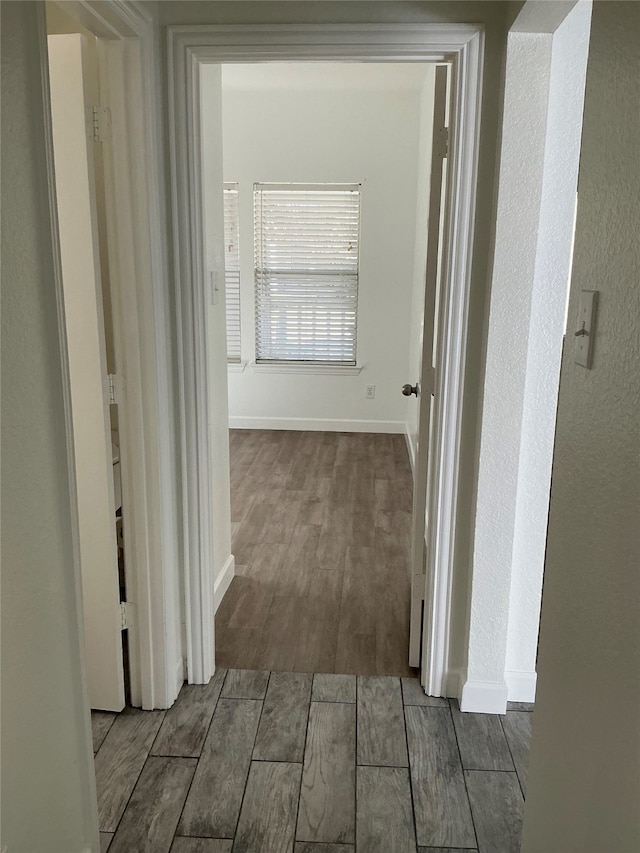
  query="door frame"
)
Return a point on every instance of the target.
[
  {"x": 188, "y": 48},
  {"x": 140, "y": 317}
]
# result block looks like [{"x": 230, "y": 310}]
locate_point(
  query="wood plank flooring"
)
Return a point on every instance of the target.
[
  {"x": 327, "y": 798},
  {"x": 313, "y": 736},
  {"x": 321, "y": 527},
  {"x": 327, "y": 763}
]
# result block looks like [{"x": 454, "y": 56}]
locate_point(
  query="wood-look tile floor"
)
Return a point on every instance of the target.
[
  {"x": 321, "y": 526},
  {"x": 259, "y": 762}
]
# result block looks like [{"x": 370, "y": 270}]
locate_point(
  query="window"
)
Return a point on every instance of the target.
[
  {"x": 306, "y": 272},
  {"x": 232, "y": 271}
]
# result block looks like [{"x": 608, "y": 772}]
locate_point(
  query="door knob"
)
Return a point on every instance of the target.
[{"x": 408, "y": 390}]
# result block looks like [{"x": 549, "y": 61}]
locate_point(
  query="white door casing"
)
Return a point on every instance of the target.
[
  {"x": 188, "y": 48},
  {"x": 82, "y": 287},
  {"x": 424, "y": 520}
]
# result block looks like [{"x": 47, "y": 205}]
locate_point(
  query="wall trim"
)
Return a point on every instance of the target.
[
  {"x": 484, "y": 697},
  {"x": 306, "y": 369},
  {"x": 180, "y": 678},
  {"x": 411, "y": 448},
  {"x": 453, "y": 683},
  {"x": 145, "y": 448},
  {"x": 316, "y": 424},
  {"x": 521, "y": 686},
  {"x": 191, "y": 46},
  {"x": 223, "y": 581}
]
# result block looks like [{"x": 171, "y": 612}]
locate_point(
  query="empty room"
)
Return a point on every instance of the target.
[{"x": 325, "y": 181}]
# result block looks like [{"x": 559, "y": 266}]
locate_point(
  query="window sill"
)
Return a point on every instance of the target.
[
  {"x": 307, "y": 368},
  {"x": 236, "y": 366}
]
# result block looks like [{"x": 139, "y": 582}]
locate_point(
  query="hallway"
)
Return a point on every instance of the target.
[
  {"x": 321, "y": 526},
  {"x": 259, "y": 762},
  {"x": 271, "y": 758}
]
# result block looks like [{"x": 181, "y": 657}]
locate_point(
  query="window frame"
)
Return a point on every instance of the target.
[{"x": 262, "y": 274}]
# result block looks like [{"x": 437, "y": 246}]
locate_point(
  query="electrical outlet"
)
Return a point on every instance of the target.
[{"x": 370, "y": 392}]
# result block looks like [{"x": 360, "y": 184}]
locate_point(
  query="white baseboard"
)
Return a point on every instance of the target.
[
  {"x": 317, "y": 425},
  {"x": 484, "y": 697},
  {"x": 221, "y": 583},
  {"x": 521, "y": 686},
  {"x": 181, "y": 675},
  {"x": 452, "y": 684},
  {"x": 411, "y": 449}
]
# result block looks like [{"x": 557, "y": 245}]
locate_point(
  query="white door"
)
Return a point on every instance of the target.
[
  {"x": 421, "y": 534},
  {"x": 79, "y": 246},
  {"x": 216, "y": 538}
]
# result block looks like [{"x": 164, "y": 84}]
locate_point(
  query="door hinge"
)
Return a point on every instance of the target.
[
  {"x": 116, "y": 389},
  {"x": 100, "y": 124},
  {"x": 429, "y": 381},
  {"x": 424, "y": 568},
  {"x": 127, "y": 615},
  {"x": 441, "y": 142}
]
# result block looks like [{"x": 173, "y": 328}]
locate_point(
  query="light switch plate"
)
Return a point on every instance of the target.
[{"x": 585, "y": 329}]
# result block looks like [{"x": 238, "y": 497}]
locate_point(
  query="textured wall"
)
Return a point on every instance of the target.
[
  {"x": 584, "y": 778},
  {"x": 48, "y": 787},
  {"x": 538, "y": 172},
  {"x": 521, "y": 170},
  {"x": 546, "y": 328},
  {"x": 331, "y": 11}
]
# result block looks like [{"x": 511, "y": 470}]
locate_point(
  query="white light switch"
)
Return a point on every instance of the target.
[{"x": 585, "y": 330}]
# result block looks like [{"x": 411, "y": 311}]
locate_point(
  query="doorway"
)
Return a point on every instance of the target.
[
  {"x": 84, "y": 247},
  {"x": 125, "y": 587},
  {"x": 204, "y": 416},
  {"x": 319, "y": 463}
]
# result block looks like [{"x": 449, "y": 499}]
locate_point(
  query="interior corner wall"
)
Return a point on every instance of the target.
[
  {"x": 546, "y": 326},
  {"x": 48, "y": 783},
  {"x": 584, "y": 769},
  {"x": 333, "y": 135},
  {"x": 536, "y": 202},
  {"x": 521, "y": 170}
]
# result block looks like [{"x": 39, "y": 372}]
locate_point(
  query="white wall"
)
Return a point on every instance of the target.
[
  {"x": 48, "y": 785},
  {"x": 584, "y": 775},
  {"x": 536, "y": 201},
  {"x": 346, "y": 125}
]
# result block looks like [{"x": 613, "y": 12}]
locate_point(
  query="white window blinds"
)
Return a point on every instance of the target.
[
  {"x": 232, "y": 271},
  {"x": 306, "y": 272}
]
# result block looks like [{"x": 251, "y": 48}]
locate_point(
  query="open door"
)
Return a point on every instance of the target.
[
  {"x": 424, "y": 388},
  {"x": 83, "y": 306}
]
